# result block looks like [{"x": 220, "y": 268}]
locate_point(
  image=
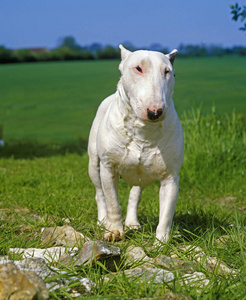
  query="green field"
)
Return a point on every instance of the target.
[
  {"x": 57, "y": 101},
  {"x": 41, "y": 184}
]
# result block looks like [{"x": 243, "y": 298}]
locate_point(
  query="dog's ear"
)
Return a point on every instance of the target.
[
  {"x": 124, "y": 52},
  {"x": 171, "y": 56}
]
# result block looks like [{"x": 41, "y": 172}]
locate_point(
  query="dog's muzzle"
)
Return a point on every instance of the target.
[{"x": 154, "y": 115}]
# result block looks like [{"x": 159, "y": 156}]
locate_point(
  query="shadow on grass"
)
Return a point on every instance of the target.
[
  {"x": 30, "y": 149},
  {"x": 191, "y": 225},
  {"x": 196, "y": 224}
]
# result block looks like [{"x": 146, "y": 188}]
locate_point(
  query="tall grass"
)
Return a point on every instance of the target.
[
  {"x": 211, "y": 203},
  {"x": 215, "y": 156}
]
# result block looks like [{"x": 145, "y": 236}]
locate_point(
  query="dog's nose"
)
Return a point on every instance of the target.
[{"x": 154, "y": 114}]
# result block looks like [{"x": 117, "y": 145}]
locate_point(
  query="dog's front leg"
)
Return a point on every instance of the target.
[
  {"x": 132, "y": 208},
  {"x": 168, "y": 198},
  {"x": 114, "y": 224}
]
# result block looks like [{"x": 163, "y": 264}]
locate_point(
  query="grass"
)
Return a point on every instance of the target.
[
  {"x": 46, "y": 112},
  {"x": 211, "y": 204},
  {"x": 57, "y": 101}
]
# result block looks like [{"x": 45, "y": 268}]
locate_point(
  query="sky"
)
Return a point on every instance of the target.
[{"x": 43, "y": 23}]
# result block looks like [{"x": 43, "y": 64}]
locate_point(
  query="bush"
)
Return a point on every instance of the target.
[
  {"x": 25, "y": 55},
  {"x": 108, "y": 53},
  {"x": 6, "y": 55}
]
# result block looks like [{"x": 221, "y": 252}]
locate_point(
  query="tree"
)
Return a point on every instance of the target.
[
  {"x": 108, "y": 53},
  {"x": 6, "y": 55},
  {"x": 25, "y": 55},
  {"x": 70, "y": 43},
  {"x": 239, "y": 13}
]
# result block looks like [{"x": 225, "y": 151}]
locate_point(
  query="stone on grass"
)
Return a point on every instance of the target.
[
  {"x": 64, "y": 279},
  {"x": 61, "y": 280},
  {"x": 173, "y": 264},
  {"x": 98, "y": 250},
  {"x": 36, "y": 265},
  {"x": 222, "y": 239},
  {"x": 211, "y": 264},
  {"x": 214, "y": 264},
  {"x": 51, "y": 254},
  {"x": 197, "y": 279},
  {"x": 137, "y": 254},
  {"x": 62, "y": 236},
  {"x": 174, "y": 296},
  {"x": 4, "y": 260},
  {"x": 16, "y": 284},
  {"x": 147, "y": 274}
]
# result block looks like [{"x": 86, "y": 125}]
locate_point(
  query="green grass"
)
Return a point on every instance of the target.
[
  {"x": 58, "y": 101},
  {"x": 211, "y": 204}
]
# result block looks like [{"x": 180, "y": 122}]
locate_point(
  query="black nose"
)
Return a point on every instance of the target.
[{"x": 154, "y": 114}]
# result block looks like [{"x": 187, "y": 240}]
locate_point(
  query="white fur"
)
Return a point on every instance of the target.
[{"x": 125, "y": 142}]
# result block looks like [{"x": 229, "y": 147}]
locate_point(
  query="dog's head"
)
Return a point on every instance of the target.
[{"x": 148, "y": 80}]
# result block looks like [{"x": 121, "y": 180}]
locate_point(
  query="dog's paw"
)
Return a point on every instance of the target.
[
  {"x": 114, "y": 235},
  {"x": 161, "y": 240},
  {"x": 132, "y": 223},
  {"x": 114, "y": 231},
  {"x": 129, "y": 227}
]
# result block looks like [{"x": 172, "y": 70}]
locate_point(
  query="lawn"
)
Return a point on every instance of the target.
[
  {"x": 56, "y": 102},
  {"x": 211, "y": 206}
]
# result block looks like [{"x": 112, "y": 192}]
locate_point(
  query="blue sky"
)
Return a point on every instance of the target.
[{"x": 42, "y": 23}]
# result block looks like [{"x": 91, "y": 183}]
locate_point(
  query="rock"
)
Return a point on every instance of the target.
[
  {"x": 16, "y": 284},
  {"x": 51, "y": 254},
  {"x": 136, "y": 254},
  {"x": 197, "y": 279},
  {"x": 172, "y": 264},
  {"x": 4, "y": 260},
  {"x": 214, "y": 264},
  {"x": 61, "y": 282},
  {"x": 98, "y": 250},
  {"x": 62, "y": 236},
  {"x": 23, "y": 214},
  {"x": 209, "y": 263},
  {"x": 65, "y": 259},
  {"x": 153, "y": 275},
  {"x": 36, "y": 265},
  {"x": 172, "y": 296},
  {"x": 40, "y": 268}
]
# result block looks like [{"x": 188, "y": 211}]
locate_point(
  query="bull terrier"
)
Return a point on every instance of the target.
[{"x": 137, "y": 135}]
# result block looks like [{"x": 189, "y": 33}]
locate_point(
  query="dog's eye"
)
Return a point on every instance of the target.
[
  {"x": 139, "y": 69},
  {"x": 167, "y": 71}
]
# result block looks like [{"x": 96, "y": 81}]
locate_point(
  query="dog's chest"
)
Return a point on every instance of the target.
[{"x": 141, "y": 164}]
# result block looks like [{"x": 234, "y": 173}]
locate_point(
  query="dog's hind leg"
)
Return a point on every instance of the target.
[
  {"x": 132, "y": 208},
  {"x": 94, "y": 173}
]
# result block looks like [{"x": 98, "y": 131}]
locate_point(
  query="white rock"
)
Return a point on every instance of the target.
[
  {"x": 154, "y": 275},
  {"x": 195, "y": 279},
  {"x": 49, "y": 255},
  {"x": 137, "y": 254},
  {"x": 214, "y": 263}
]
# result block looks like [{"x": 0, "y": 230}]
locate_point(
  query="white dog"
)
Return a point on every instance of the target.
[{"x": 137, "y": 135}]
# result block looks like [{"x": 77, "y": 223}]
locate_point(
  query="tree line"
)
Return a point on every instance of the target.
[{"x": 69, "y": 49}]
